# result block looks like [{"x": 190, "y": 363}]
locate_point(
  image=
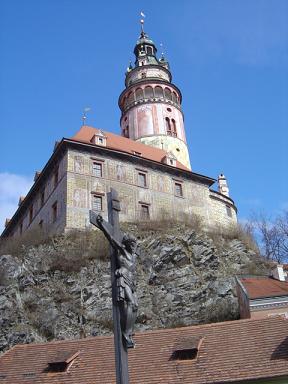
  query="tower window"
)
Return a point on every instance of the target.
[
  {"x": 174, "y": 130},
  {"x": 142, "y": 181},
  {"x": 168, "y": 126},
  {"x": 97, "y": 169},
  {"x": 174, "y": 97},
  {"x": 149, "y": 50},
  {"x": 54, "y": 212},
  {"x": 130, "y": 98},
  {"x": 97, "y": 203},
  {"x": 178, "y": 189},
  {"x": 168, "y": 94},
  {"x": 159, "y": 92},
  {"x": 148, "y": 92},
  {"x": 126, "y": 131},
  {"x": 228, "y": 211},
  {"x": 139, "y": 94}
]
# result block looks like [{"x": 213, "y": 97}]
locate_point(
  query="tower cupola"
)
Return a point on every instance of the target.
[
  {"x": 145, "y": 51},
  {"x": 151, "y": 103}
]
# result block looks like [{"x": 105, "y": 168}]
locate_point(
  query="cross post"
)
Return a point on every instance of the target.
[{"x": 121, "y": 354}]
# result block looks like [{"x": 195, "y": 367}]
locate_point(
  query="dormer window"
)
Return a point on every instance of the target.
[
  {"x": 186, "y": 349},
  {"x": 185, "y": 354},
  {"x": 99, "y": 139},
  {"x": 61, "y": 362},
  {"x": 170, "y": 159}
]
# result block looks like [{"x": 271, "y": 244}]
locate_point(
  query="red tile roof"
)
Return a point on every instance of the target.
[
  {"x": 229, "y": 352},
  {"x": 124, "y": 144},
  {"x": 260, "y": 287}
]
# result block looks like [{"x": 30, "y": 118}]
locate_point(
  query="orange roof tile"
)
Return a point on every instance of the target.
[
  {"x": 124, "y": 144},
  {"x": 229, "y": 352},
  {"x": 260, "y": 287}
]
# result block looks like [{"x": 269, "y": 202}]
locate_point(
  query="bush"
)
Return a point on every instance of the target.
[
  {"x": 15, "y": 245},
  {"x": 238, "y": 232},
  {"x": 75, "y": 249},
  {"x": 164, "y": 222}
]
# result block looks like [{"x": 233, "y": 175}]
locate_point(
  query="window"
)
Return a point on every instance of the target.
[
  {"x": 148, "y": 92},
  {"x": 149, "y": 50},
  {"x": 97, "y": 203},
  {"x": 174, "y": 133},
  {"x": 41, "y": 224},
  {"x": 54, "y": 212},
  {"x": 56, "y": 176},
  {"x": 100, "y": 140},
  {"x": 228, "y": 211},
  {"x": 174, "y": 97},
  {"x": 142, "y": 182},
  {"x": 168, "y": 94},
  {"x": 178, "y": 189},
  {"x": 168, "y": 126},
  {"x": 130, "y": 98},
  {"x": 97, "y": 169},
  {"x": 144, "y": 212},
  {"x": 42, "y": 198},
  {"x": 185, "y": 354},
  {"x": 139, "y": 94},
  {"x": 61, "y": 362},
  {"x": 21, "y": 228},
  {"x": 159, "y": 92},
  {"x": 126, "y": 131},
  {"x": 30, "y": 214}
]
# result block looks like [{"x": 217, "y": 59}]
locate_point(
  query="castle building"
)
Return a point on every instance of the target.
[{"x": 148, "y": 164}]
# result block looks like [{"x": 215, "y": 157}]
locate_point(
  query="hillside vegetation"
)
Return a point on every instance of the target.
[{"x": 59, "y": 288}]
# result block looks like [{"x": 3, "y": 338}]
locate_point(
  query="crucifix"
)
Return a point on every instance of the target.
[{"x": 123, "y": 258}]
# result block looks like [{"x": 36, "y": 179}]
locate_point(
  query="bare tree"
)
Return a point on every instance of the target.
[{"x": 272, "y": 236}]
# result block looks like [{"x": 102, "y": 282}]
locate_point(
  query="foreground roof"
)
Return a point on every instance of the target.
[
  {"x": 260, "y": 287},
  {"x": 121, "y": 143},
  {"x": 228, "y": 352}
]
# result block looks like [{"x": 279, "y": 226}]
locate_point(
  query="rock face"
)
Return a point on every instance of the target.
[{"x": 183, "y": 278}]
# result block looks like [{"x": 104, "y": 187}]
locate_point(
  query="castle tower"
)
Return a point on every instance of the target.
[{"x": 151, "y": 103}]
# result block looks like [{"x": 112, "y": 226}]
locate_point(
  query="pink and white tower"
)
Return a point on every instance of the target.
[{"x": 151, "y": 103}]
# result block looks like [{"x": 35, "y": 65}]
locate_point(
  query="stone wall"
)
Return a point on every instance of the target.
[
  {"x": 54, "y": 193},
  {"x": 158, "y": 196}
]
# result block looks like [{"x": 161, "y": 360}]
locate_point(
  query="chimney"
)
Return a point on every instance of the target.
[{"x": 222, "y": 185}]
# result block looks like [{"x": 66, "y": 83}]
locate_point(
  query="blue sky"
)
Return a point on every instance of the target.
[{"x": 228, "y": 57}]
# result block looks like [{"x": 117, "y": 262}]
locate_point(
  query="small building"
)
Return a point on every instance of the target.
[
  {"x": 243, "y": 351},
  {"x": 263, "y": 296}
]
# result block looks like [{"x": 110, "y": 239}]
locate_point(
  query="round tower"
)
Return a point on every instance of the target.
[{"x": 151, "y": 103}]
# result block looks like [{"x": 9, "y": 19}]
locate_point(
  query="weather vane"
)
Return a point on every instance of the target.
[
  {"x": 142, "y": 21},
  {"x": 162, "y": 49},
  {"x": 84, "y": 116}
]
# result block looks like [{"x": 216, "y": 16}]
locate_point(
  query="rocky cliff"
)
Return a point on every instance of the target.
[{"x": 61, "y": 289}]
